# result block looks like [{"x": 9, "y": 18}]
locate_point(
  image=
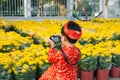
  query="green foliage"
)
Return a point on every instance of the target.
[
  {"x": 36, "y": 40},
  {"x": 23, "y": 46},
  {"x": 116, "y": 60},
  {"x": 40, "y": 70},
  {"x": 7, "y": 48},
  {"x": 31, "y": 74},
  {"x": 88, "y": 63},
  {"x": 116, "y": 37},
  {"x": 4, "y": 75},
  {"x": 91, "y": 41},
  {"x": 104, "y": 62}
]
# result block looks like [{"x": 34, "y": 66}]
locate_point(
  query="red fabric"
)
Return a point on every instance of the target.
[
  {"x": 60, "y": 70},
  {"x": 72, "y": 33}
]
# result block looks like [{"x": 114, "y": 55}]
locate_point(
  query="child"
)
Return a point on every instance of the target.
[{"x": 60, "y": 69}]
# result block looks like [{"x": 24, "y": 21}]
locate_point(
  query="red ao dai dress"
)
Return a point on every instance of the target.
[{"x": 60, "y": 69}]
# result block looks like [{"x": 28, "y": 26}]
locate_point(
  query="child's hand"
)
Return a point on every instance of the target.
[{"x": 51, "y": 43}]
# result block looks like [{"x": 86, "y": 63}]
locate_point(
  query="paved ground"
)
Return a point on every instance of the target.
[
  {"x": 114, "y": 78},
  {"x": 109, "y": 79}
]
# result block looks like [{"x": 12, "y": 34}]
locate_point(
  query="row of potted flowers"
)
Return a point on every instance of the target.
[{"x": 100, "y": 58}]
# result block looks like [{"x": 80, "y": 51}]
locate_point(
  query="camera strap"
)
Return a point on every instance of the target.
[{"x": 65, "y": 57}]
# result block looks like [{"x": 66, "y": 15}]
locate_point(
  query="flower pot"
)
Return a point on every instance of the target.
[
  {"x": 103, "y": 74},
  {"x": 87, "y": 75},
  {"x": 115, "y": 72}
]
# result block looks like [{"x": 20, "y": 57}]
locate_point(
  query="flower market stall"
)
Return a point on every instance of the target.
[{"x": 23, "y": 47}]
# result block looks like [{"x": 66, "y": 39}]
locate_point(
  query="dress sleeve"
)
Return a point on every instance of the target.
[{"x": 53, "y": 56}]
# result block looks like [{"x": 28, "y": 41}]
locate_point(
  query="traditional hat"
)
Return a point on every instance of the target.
[{"x": 72, "y": 34}]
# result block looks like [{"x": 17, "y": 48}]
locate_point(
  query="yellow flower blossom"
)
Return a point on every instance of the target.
[
  {"x": 40, "y": 63},
  {"x": 16, "y": 72},
  {"x": 46, "y": 60},
  {"x": 6, "y": 66},
  {"x": 24, "y": 70},
  {"x": 25, "y": 66},
  {"x": 108, "y": 60},
  {"x": 83, "y": 56},
  {"x": 88, "y": 54},
  {"x": 34, "y": 67},
  {"x": 9, "y": 71}
]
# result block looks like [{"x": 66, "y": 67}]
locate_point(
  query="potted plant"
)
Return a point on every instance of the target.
[
  {"x": 88, "y": 64},
  {"x": 104, "y": 65},
  {"x": 115, "y": 71}
]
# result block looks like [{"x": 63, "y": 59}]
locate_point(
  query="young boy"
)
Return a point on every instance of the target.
[{"x": 60, "y": 69}]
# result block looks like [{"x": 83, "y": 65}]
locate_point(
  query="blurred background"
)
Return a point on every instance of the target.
[{"x": 58, "y": 8}]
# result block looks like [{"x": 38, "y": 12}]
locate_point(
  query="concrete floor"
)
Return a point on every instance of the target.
[
  {"x": 109, "y": 79},
  {"x": 114, "y": 78}
]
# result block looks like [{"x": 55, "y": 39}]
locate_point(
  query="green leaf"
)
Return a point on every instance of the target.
[{"x": 88, "y": 63}]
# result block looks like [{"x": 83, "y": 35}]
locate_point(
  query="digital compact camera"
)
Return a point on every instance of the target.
[{"x": 56, "y": 38}]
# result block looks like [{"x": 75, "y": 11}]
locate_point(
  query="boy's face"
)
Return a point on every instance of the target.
[{"x": 63, "y": 39}]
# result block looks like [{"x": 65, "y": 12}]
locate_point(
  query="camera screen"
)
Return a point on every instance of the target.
[{"x": 56, "y": 38}]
